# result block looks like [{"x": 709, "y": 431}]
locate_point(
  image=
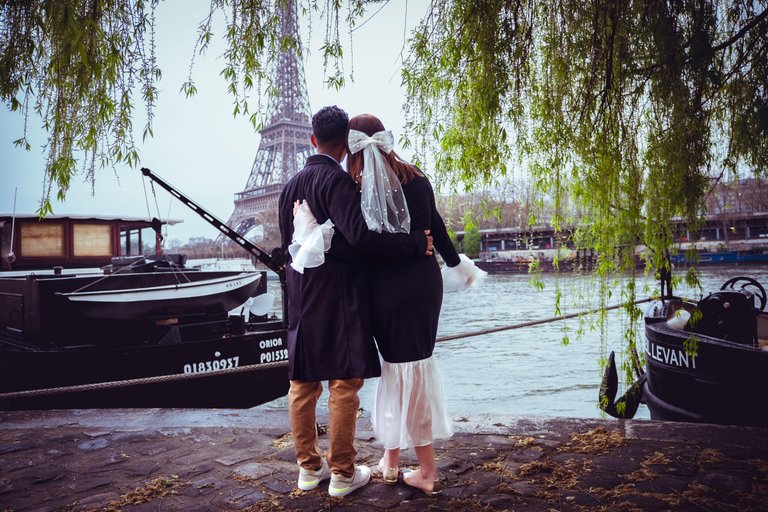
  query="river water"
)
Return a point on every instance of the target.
[{"x": 530, "y": 371}]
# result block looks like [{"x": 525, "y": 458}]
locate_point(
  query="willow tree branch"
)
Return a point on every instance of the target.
[{"x": 749, "y": 26}]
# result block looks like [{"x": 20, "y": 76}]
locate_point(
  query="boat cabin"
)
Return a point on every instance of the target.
[{"x": 73, "y": 241}]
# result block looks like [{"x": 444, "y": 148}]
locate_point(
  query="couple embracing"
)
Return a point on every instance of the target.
[{"x": 359, "y": 243}]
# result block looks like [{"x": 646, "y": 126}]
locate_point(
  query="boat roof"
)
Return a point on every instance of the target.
[
  {"x": 50, "y": 272},
  {"x": 78, "y": 216}
]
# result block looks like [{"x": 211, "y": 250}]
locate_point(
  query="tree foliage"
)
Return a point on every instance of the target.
[
  {"x": 512, "y": 205},
  {"x": 471, "y": 242},
  {"x": 79, "y": 64},
  {"x": 632, "y": 105},
  {"x": 633, "y": 109},
  {"x": 454, "y": 240}
]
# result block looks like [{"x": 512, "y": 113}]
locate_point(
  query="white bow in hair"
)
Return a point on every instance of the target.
[
  {"x": 358, "y": 140},
  {"x": 382, "y": 200}
]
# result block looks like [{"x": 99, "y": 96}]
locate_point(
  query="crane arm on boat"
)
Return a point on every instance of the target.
[{"x": 273, "y": 262}]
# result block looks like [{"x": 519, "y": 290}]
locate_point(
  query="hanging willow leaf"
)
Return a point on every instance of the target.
[
  {"x": 629, "y": 112},
  {"x": 80, "y": 64}
]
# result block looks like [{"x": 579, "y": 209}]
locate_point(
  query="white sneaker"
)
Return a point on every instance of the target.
[
  {"x": 308, "y": 480},
  {"x": 341, "y": 486}
]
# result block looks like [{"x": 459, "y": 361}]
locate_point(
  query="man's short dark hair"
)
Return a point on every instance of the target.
[{"x": 329, "y": 125}]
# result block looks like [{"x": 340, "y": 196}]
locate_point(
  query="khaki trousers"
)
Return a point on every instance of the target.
[{"x": 342, "y": 407}]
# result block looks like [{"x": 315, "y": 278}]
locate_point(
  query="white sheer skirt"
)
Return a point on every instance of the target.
[{"x": 408, "y": 408}]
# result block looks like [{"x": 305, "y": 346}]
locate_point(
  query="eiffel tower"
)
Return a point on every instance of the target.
[{"x": 285, "y": 143}]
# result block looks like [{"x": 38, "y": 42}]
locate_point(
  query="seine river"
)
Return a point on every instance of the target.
[{"x": 530, "y": 371}]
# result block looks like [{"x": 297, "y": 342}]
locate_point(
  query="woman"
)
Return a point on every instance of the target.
[{"x": 406, "y": 300}]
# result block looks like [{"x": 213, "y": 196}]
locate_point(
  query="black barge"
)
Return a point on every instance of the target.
[{"x": 140, "y": 331}]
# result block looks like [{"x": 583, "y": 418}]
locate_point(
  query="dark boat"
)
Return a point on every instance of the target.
[
  {"x": 524, "y": 261},
  {"x": 503, "y": 266},
  {"x": 519, "y": 261},
  {"x": 757, "y": 256},
  {"x": 139, "y": 332},
  {"x": 706, "y": 362}
]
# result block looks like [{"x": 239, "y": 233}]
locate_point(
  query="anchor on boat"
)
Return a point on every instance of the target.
[{"x": 626, "y": 406}]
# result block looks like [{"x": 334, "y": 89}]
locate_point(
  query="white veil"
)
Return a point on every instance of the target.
[{"x": 383, "y": 202}]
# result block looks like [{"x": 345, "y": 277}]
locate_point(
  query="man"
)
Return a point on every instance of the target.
[{"x": 329, "y": 333}]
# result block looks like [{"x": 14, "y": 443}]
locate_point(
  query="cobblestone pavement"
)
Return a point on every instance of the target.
[{"x": 209, "y": 460}]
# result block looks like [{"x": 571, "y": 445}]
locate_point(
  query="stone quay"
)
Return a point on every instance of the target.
[{"x": 137, "y": 460}]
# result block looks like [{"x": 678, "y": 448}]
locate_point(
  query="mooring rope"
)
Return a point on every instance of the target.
[
  {"x": 135, "y": 382},
  {"x": 266, "y": 366},
  {"x": 538, "y": 322}
]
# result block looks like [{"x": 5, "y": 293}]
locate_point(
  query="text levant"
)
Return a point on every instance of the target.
[{"x": 671, "y": 356}]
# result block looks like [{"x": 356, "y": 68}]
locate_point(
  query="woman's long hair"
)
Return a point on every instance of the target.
[{"x": 369, "y": 125}]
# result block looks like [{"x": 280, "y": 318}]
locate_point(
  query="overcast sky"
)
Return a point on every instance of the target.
[{"x": 198, "y": 146}]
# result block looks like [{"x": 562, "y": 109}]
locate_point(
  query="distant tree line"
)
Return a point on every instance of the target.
[
  {"x": 509, "y": 206},
  {"x": 520, "y": 206},
  {"x": 201, "y": 247}
]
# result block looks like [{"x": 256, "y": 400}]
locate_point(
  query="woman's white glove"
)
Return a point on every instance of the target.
[
  {"x": 462, "y": 276},
  {"x": 310, "y": 240}
]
